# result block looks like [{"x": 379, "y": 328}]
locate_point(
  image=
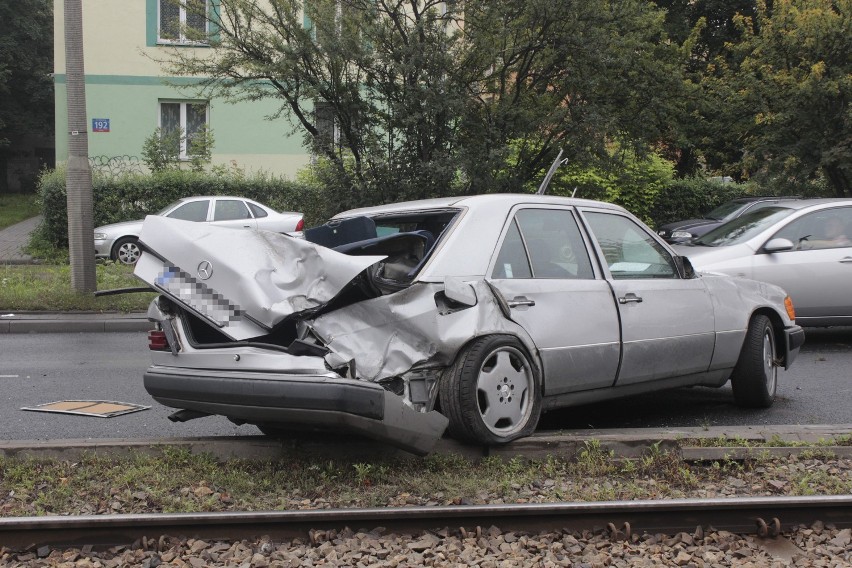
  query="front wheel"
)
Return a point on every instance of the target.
[
  {"x": 126, "y": 251},
  {"x": 755, "y": 376},
  {"x": 491, "y": 395}
]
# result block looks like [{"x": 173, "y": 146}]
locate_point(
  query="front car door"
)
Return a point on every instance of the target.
[
  {"x": 195, "y": 210},
  {"x": 817, "y": 273},
  {"x": 667, "y": 322},
  {"x": 543, "y": 269}
]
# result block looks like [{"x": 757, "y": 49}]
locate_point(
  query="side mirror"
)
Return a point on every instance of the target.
[
  {"x": 778, "y": 245},
  {"x": 684, "y": 267}
]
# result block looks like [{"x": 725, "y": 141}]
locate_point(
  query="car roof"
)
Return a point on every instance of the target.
[
  {"x": 814, "y": 202},
  {"x": 508, "y": 199}
]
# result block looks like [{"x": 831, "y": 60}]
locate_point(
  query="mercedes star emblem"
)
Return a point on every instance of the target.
[{"x": 205, "y": 269}]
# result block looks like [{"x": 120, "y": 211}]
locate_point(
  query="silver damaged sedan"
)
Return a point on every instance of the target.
[{"x": 474, "y": 314}]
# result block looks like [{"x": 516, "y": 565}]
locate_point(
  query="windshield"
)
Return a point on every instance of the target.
[
  {"x": 169, "y": 206},
  {"x": 726, "y": 210},
  {"x": 743, "y": 228}
]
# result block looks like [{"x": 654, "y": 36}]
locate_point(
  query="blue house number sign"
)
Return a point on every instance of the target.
[{"x": 100, "y": 125}]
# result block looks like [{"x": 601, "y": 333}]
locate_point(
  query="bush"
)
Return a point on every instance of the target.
[{"x": 130, "y": 196}]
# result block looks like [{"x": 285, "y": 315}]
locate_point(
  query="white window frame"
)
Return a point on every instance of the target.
[
  {"x": 181, "y": 39},
  {"x": 184, "y": 142}
]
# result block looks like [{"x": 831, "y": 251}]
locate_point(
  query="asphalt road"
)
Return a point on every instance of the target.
[{"x": 43, "y": 368}]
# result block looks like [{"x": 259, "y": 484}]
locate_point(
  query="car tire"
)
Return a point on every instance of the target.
[
  {"x": 492, "y": 393},
  {"x": 755, "y": 376},
  {"x": 126, "y": 251}
]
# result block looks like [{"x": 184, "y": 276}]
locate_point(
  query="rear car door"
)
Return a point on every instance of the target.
[
  {"x": 817, "y": 273},
  {"x": 667, "y": 322},
  {"x": 543, "y": 270},
  {"x": 233, "y": 213}
]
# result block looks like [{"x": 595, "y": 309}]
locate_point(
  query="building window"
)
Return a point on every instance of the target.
[
  {"x": 328, "y": 129},
  {"x": 183, "y": 21},
  {"x": 183, "y": 121}
]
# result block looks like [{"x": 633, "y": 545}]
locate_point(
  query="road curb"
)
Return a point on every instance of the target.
[{"x": 624, "y": 444}]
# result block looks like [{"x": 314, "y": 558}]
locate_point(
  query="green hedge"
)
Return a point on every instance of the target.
[{"x": 131, "y": 196}]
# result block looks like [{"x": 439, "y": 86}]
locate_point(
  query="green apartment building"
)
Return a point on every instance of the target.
[{"x": 128, "y": 95}]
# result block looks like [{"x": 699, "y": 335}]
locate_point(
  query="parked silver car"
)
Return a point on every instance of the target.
[
  {"x": 118, "y": 240},
  {"x": 478, "y": 312},
  {"x": 803, "y": 245}
]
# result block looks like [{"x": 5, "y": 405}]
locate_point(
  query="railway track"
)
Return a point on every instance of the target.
[{"x": 763, "y": 516}]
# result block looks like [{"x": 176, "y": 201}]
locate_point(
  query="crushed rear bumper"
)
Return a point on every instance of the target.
[{"x": 315, "y": 401}]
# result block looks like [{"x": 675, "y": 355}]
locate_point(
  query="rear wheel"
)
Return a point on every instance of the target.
[
  {"x": 491, "y": 395},
  {"x": 126, "y": 250},
  {"x": 755, "y": 376}
]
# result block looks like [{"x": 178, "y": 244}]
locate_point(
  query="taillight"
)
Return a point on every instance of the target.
[
  {"x": 157, "y": 340},
  {"x": 300, "y": 226}
]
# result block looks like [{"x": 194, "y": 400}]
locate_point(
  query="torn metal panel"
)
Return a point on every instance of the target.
[
  {"x": 390, "y": 335},
  {"x": 243, "y": 282}
]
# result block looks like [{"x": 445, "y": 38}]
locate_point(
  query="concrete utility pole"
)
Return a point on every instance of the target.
[{"x": 78, "y": 177}]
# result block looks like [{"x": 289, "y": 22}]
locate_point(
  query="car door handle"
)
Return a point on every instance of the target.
[
  {"x": 630, "y": 298},
  {"x": 846, "y": 260},
  {"x": 520, "y": 301}
]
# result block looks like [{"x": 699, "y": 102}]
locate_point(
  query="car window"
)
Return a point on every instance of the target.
[
  {"x": 629, "y": 250},
  {"x": 230, "y": 210},
  {"x": 743, "y": 228},
  {"x": 727, "y": 210},
  {"x": 257, "y": 211},
  {"x": 824, "y": 229},
  {"x": 543, "y": 243},
  {"x": 512, "y": 259},
  {"x": 192, "y": 211}
]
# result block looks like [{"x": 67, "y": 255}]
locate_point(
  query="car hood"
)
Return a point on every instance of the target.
[
  {"x": 124, "y": 228},
  {"x": 242, "y": 282}
]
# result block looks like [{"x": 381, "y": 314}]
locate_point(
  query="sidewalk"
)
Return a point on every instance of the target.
[{"x": 14, "y": 238}]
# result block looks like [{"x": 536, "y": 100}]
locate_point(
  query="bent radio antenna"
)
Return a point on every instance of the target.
[{"x": 553, "y": 167}]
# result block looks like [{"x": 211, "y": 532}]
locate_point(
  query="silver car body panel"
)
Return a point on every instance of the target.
[
  {"x": 818, "y": 280},
  {"x": 584, "y": 343}
]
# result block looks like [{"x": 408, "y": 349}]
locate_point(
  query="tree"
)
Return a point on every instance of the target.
[
  {"x": 26, "y": 61},
  {"x": 418, "y": 98},
  {"x": 796, "y": 78}
]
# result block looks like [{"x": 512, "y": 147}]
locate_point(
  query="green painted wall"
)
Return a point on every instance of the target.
[{"x": 131, "y": 104}]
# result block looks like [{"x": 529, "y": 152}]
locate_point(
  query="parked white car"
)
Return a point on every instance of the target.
[
  {"x": 474, "y": 313},
  {"x": 802, "y": 245},
  {"x": 118, "y": 241}
]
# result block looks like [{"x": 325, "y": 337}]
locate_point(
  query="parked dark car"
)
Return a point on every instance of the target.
[{"x": 680, "y": 232}]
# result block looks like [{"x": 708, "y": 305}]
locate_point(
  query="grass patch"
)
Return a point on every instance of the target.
[
  {"x": 48, "y": 288},
  {"x": 17, "y": 207},
  {"x": 178, "y": 481},
  {"x": 774, "y": 442}
]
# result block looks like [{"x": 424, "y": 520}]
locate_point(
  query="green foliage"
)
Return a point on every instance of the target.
[
  {"x": 630, "y": 181},
  {"x": 131, "y": 196},
  {"x": 26, "y": 61},
  {"x": 416, "y": 100},
  {"x": 787, "y": 86},
  {"x": 161, "y": 150}
]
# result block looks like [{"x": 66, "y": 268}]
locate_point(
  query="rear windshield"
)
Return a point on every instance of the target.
[{"x": 743, "y": 228}]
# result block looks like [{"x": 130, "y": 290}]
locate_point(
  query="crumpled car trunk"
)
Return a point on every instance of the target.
[{"x": 359, "y": 309}]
